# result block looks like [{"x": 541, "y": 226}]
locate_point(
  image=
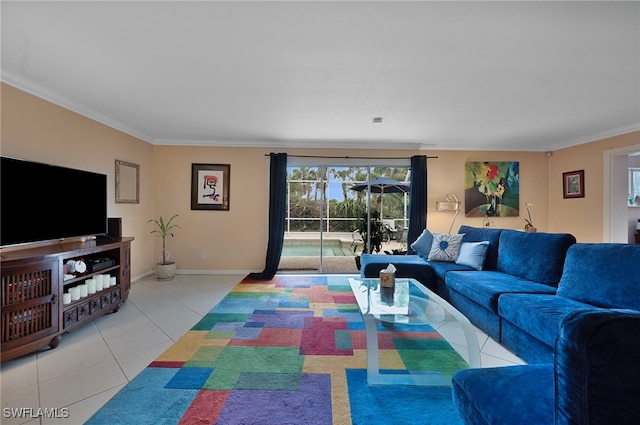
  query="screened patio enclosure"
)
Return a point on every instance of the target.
[{"x": 323, "y": 210}]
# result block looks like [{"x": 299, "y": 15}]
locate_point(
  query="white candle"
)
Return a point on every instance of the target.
[
  {"x": 84, "y": 291},
  {"x": 91, "y": 286},
  {"x": 99, "y": 283},
  {"x": 66, "y": 298},
  {"x": 113, "y": 281},
  {"x": 75, "y": 293}
]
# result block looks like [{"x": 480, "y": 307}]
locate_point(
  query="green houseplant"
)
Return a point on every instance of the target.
[
  {"x": 165, "y": 270},
  {"x": 370, "y": 228}
]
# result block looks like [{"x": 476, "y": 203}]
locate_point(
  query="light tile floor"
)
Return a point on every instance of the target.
[{"x": 93, "y": 363}]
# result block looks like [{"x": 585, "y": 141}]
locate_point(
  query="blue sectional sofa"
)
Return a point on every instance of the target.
[
  {"x": 595, "y": 276},
  {"x": 592, "y": 380},
  {"x": 516, "y": 263},
  {"x": 571, "y": 310}
]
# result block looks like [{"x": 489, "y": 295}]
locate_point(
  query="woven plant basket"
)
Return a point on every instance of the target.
[{"x": 165, "y": 271}]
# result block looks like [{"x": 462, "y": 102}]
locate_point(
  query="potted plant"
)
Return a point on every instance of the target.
[
  {"x": 165, "y": 270},
  {"x": 377, "y": 236}
]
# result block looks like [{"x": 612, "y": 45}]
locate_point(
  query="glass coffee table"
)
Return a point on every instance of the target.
[{"x": 408, "y": 303}]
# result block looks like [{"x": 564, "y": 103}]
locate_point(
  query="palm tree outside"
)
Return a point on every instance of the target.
[{"x": 323, "y": 211}]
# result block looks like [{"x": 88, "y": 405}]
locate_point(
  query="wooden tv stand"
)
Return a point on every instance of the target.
[{"x": 34, "y": 282}]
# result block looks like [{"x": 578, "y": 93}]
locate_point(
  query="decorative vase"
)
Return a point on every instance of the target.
[
  {"x": 532, "y": 229},
  {"x": 493, "y": 206},
  {"x": 165, "y": 271}
]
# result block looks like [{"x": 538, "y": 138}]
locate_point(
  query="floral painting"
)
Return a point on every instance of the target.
[{"x": 492, "y": 189}]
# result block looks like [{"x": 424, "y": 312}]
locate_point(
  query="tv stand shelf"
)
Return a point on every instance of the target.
[
  {"x": 85, "y": 276},
  {"x": 33, "y": 285}
]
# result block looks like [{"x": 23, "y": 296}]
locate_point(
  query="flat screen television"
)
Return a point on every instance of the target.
[{"x": 42, "y": 202}]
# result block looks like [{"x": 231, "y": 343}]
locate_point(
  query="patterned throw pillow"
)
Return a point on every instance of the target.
[{"x": 445, "y": 247}]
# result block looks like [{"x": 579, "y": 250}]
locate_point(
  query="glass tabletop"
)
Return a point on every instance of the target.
[
  {"x": 412, "y": 303},
  {"x": 406, "y": 303}
]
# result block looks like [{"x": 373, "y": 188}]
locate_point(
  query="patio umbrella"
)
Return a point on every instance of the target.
[{"x": 382, "y": 185}]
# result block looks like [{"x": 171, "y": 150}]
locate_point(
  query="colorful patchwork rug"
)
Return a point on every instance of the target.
[{"x": 287, "y": 351}]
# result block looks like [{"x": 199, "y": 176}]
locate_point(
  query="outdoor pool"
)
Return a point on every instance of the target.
[{"x": 311, "y": 248}]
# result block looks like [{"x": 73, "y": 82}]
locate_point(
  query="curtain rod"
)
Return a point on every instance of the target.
[{"x": 348, "y": 157}]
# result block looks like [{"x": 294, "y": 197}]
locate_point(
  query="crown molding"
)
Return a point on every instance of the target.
[
  {"x": 329, "y": 144},
  {"x": 598, "y": 136},
  {"x": 64, "y": 102}
]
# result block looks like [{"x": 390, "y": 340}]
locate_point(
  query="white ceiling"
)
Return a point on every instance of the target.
[{"x": 443, "y": 75}]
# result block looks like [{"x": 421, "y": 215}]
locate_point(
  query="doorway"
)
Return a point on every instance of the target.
[{"x": 616, "y": 211}]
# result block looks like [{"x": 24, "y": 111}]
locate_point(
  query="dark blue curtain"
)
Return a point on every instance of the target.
[
  {"x": 277, "y": 214},
  {"x": 418, "y": 200}
]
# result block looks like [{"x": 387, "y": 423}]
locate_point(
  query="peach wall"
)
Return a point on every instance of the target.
[
  {"x": 38, "y": 130},
  {"x": 233, "y": 240},
  {"x": 230, "y": 240},
  {"x": 446, "y": 174},
  {"x": 236, "y": 240},
  {"x": 582, "y": 217}
]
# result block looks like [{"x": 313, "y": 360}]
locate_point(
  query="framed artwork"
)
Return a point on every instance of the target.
[
  {"x": 127, "y": 182},
  {"x": 492, "y": 189},
  {"x": 210, "y": 186},
  {"x": 573, "y": 184}
]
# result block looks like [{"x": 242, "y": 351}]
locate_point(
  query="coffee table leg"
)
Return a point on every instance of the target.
[
  {"x": 373, "y": 364},
  {"x": 373, "y": 370}
]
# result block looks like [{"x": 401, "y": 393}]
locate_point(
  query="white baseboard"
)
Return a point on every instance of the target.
[
  {"x": 198, "y": 271},
  {"x": 215, "y": 271}
]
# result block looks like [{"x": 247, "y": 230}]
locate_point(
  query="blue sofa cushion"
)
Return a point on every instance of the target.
[
  {"x": 513, "y": 395},
  {"x": 422, "y": 245},
  {"x": 484, "y": 287},
  {"x": 440, "y": 268},
  {"x": 603, "y": 274},
  {"x": 479, "y": 234},
  {"x": 473, "y": 254},
  {"x": 539, "y": 315},
  {"x": 533, "y": 256},
  {"x": 406, "y": 266},
  {"x": 597, "y": 367}
]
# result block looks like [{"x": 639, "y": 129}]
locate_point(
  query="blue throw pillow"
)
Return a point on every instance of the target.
[
  {"x": 473, "y": 254},
  {"x": 422, "y": 245},
  {"x": 445, "y": 247}
]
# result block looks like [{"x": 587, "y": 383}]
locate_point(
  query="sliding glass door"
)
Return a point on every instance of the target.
[{"x": 331, "y": 211}]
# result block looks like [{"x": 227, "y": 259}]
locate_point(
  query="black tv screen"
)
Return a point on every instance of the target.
[{"x": 41, "y": 202}]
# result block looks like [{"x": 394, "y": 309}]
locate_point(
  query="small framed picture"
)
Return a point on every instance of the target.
[
  {"x": 210, "y": 186},
  {"x": 573, "y": 184}
]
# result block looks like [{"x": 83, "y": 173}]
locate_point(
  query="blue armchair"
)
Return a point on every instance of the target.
[{"x": 595, "y": 378}]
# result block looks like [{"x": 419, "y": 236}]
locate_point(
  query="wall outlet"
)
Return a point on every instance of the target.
[
  {"x": 203, "y": 255},
  {"x": 168, "y": 255}
]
